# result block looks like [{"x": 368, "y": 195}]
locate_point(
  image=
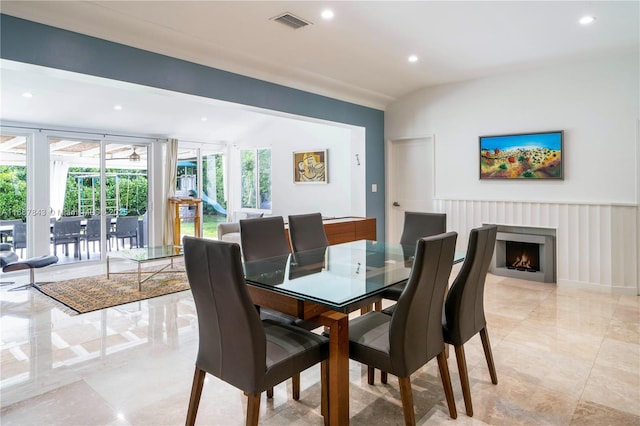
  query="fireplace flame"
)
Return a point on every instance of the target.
[{"x": 522, "y": 261}]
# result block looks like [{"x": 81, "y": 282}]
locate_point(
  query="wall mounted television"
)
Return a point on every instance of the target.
[{"x": 531, "y": 156}]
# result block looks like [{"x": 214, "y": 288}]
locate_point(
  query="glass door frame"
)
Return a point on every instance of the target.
[{"x": 200, "y": 150}]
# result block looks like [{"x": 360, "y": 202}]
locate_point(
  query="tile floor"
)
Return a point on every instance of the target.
[{"x": 563, "y": 357}]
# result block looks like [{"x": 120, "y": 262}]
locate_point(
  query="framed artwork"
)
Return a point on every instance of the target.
[
  {"x": 532, "y": 156},
  {"x": 310, "y": 166}
]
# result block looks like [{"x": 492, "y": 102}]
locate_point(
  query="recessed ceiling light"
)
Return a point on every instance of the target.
[
  {"x": 117, "y": 107},
  {"x": 413, "y": 58},
  {"x": 203, "y": 119},
  {"x": 27, "y": 95},
  {"x": 586, "y": 20},
  {"x": 327, "y": 14}
]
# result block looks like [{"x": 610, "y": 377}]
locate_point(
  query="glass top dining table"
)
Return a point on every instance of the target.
[
  {"x": 341, "y": 277},
  {"x": 325, "y": 285}
]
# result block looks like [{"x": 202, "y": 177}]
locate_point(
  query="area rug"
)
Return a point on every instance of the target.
[{"x": 92, "y": 293}]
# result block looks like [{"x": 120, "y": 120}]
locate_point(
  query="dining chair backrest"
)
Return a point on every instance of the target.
[
  {"x": 10, "y": 222},
  {"x": 19, "y": 235},
  {"x": 232, "y": 342},
  {"x": 307, "y": 262},
  {"x": 415, "y": 331},
  {"x": 126, "y": 226},
  {"x": 418, "y": 225},
  {"x": 464, "y": 307},
  {"x": 263, "y": 237},
  {"x": 92, "y": 230},
  {"x": 306, "y": 232},
  {"x": 64, "y": 229}
]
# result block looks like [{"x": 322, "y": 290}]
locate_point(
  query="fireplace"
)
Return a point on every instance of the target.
[
  {"x": 525, "y": 253},
  {"x": 522, "y": 256}
]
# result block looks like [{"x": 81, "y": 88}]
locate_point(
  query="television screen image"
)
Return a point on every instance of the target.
[{"x": 522, "y": 156}]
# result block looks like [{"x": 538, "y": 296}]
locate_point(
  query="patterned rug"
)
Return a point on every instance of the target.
[{"x": 92, "y": 293}]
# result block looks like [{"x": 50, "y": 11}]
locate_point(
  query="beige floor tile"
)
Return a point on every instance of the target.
[
  {"x": 514, "y": 401},
  {"x": 73, "y": 404},
  {"x": 591, "y": 414},
  {"x": 549, "y": 337},
  {"x": 620, "y": 355},
  {"x": 624, "y": 331}
]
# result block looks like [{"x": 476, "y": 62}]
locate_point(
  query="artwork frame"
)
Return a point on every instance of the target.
[
  {"x": 310, "y": 167},
  {"x": 523, "y": 156}
]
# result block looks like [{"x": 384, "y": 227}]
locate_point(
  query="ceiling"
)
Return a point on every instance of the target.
[{"x": 359, "y": 56}]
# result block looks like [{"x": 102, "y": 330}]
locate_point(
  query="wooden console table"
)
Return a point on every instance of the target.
[
  {"x": 177, "y": 202},
  {"x": 345, "y": 229}
]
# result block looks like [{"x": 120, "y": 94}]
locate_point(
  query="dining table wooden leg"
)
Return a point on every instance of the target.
[{"x": 338, "y": 324}]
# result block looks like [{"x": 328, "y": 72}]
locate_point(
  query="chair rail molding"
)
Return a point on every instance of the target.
[{"x": 597, "y": 245}]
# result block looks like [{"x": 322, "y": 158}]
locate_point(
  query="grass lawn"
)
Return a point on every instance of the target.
[{"x": 209, "y": 226}]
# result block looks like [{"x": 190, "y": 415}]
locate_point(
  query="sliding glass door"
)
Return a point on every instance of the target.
[
  {"x": 127, "y": 188},
  {"x": 13, "y": 192},
  {"x": 92, "y": 184},
  {"x": 75, "y": 198},
  {"x": 201, "y": 174}
]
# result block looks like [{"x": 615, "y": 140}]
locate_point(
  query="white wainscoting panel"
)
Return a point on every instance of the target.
[{"x": 597, "y": 245}]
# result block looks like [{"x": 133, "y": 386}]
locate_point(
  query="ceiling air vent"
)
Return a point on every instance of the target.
[{"x": 291, "y": 21}]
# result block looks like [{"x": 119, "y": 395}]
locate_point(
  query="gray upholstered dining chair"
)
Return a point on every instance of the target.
[
  {"x": 412, "y": 335},
  {"x": 263, "y": 238},
  {"x": 234, "y": 344},
  {"x": 416, "y": 225},
  {"x": 306, "y": 232},
  {"x": 419, "y": 224},
  {"x": 464, "y": 307}
]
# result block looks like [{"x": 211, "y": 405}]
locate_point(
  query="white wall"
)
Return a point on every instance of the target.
[
  {"x": 596, "y": 103},
  {"x": 343, "y": 195}
]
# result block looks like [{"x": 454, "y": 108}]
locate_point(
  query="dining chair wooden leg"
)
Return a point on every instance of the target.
[
  {"x": 269, "y": 393},
  {"x": 446, "y": 384},
  {"x": 370, "y": 375},
  {"x": 407, "y": 401},
  {"x": 488, "y": 355},
  {"x": 464, "y": 379},
  {"x": 295, "y": 384},
  {"x": 324, "y": 391},
  {"x": 383, "y": 377},
  {"x": 253, "y": 409},
  {"x": 194, "y": 400}
]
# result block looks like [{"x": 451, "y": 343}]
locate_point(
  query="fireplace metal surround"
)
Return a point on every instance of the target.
[{"x": 545, "y": 238}]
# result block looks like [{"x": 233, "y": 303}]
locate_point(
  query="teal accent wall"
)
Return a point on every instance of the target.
[{"x": 33, "y": 43}]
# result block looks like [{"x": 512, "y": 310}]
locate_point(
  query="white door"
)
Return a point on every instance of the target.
[{"x": 411, "y": 177}]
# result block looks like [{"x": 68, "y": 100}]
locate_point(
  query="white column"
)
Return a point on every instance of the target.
[{"x": 38, "y": 204}]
